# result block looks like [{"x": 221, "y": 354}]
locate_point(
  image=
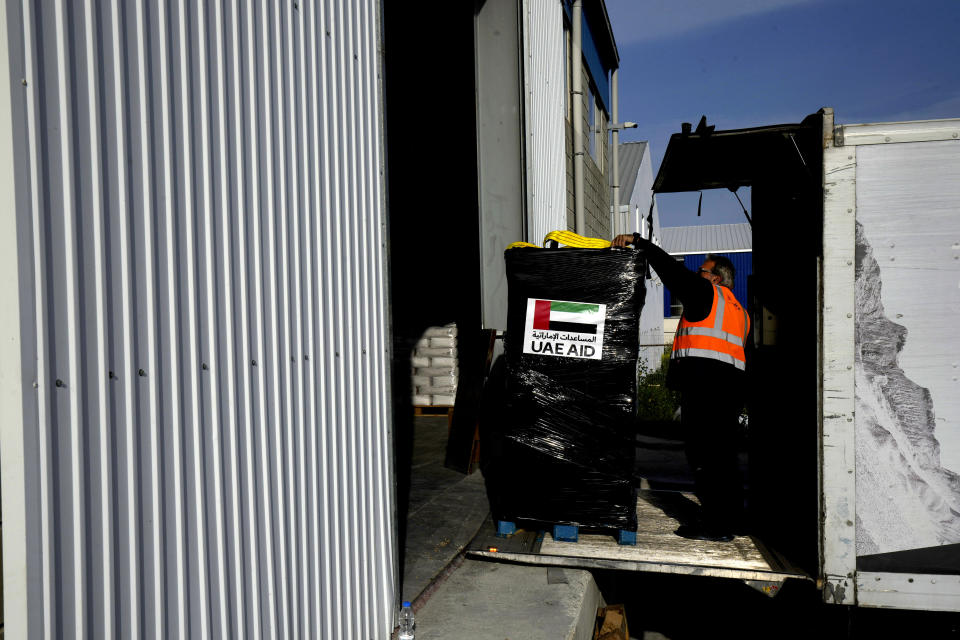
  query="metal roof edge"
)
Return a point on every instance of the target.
[{"x": 892, "y": 132}]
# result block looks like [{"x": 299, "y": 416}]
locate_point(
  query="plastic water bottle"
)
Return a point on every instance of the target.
[{"x": 406, "y": 622}]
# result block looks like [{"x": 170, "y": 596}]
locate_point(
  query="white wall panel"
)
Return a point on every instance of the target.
[
  {"x": 203, "y": 444},
  {"x": 545, "y": 129}
]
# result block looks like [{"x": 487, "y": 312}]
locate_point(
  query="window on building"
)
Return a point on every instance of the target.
[{"x": 598, "y": 126}]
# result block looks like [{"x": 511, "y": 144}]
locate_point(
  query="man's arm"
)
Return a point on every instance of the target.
[{"x": 694, "y": 292}]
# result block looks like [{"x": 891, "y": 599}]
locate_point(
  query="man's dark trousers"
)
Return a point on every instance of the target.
[{"x": 710, "y": 427}]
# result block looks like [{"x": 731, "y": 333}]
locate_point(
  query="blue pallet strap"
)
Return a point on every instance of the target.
[
  {"x": 506, "y": 528},
  {"x": 627, "y": 537},
  {"x": 565, "y": 532}
]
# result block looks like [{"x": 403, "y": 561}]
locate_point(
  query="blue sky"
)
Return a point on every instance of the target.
[{"x": 746, "y": 63}]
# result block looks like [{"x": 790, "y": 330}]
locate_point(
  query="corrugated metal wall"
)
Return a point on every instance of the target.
[
  {"x": 545, "y": 135},
  {"x": 742, "y": 262},
  {"x": 200, "y": 220}
]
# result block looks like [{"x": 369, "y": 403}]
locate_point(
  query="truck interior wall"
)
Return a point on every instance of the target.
[
  {"x": 787, "y": 214},
  {"x": 432, "y": 192}
]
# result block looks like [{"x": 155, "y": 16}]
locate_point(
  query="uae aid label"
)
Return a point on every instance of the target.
[{"x": 564, "y": 329}]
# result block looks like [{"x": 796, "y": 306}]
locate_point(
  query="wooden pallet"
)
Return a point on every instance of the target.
[{"x": 433, "y": 410}]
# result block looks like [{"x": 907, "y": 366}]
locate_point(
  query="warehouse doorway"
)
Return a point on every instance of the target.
[{"x": 434, "y": 259}]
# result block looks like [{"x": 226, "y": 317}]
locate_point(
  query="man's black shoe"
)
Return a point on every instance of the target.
[{"x": 694, "y": 532}]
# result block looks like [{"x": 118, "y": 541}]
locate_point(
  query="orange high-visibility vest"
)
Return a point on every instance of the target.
[{"x": 720, "y": 336}]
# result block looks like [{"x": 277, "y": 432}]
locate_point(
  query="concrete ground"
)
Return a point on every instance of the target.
[
  {"x": 457, "y": 598},
  {"x": 496, "y": 601},
  {"x": 446, "y": 510}
]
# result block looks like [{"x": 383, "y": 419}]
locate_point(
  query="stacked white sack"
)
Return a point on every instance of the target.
[{"x": 435, "y": 369}]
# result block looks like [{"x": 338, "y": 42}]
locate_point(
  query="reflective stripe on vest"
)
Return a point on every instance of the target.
[{"x": 708, "y": 339}]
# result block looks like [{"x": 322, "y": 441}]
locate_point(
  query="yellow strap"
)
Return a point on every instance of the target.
[
  {"x": 567, "y": 239},
  {"x": 571, "y": 239}
]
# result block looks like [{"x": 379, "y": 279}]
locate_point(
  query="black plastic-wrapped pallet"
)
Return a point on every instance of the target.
[{"x": 565, "y": 446}]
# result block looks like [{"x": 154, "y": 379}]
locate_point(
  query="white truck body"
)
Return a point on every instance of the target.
[{"x": 890, "y": 438}]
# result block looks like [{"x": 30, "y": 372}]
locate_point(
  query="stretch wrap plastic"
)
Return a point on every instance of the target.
[{"x": 562, "y": 451}]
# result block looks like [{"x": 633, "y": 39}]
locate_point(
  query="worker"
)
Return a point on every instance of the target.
[{"x": 707, "y": 367}]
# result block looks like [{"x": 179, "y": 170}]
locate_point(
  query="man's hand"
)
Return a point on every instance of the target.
[{"x": 623, "y": 240}]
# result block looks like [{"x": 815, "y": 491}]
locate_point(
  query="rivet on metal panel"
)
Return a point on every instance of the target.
[
  {"x": 849, "y": 315},
  {"x": 849, "y": 157},
  {"x": 141, "y": 373},
  {"x": 253, "y": 363},
  {"x": 886, "y": 138},
  {"x": 59, "y": 382},
  {"x": 909, "y": 579},
  {"x": 204, "y": 366},
  {"x": 336, "y": 353},
  {"x": 849, "y": 523},
  {"x": 849, "y": 367},
  {"x": 892, "y": 259},
  {"x": 849, "y": 262},
  {"x": 23, "y": 81},
  {"x": 111, "y": 375},
  {"x": 293, "y": 359},
  {"x": 849, "y": 210},
  {"x": 35, "y": 385},
  {"x": 954, "y": 134},
  {"x": 306, "y": 358},
  {"x": 878, "y": 578},
  {"x": 934, "y": 580},
  {"x": 849, "y": 419}
]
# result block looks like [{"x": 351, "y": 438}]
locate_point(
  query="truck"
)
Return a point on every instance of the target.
[{"x": 854, "y": 410}]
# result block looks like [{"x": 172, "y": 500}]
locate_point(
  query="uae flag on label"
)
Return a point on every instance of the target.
[
  {"x": 556, "y": 315},
  {"x": 563, "y": 328}
]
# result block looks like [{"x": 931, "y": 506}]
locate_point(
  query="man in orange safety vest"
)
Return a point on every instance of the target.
[{"x": 707, "y": 366}]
